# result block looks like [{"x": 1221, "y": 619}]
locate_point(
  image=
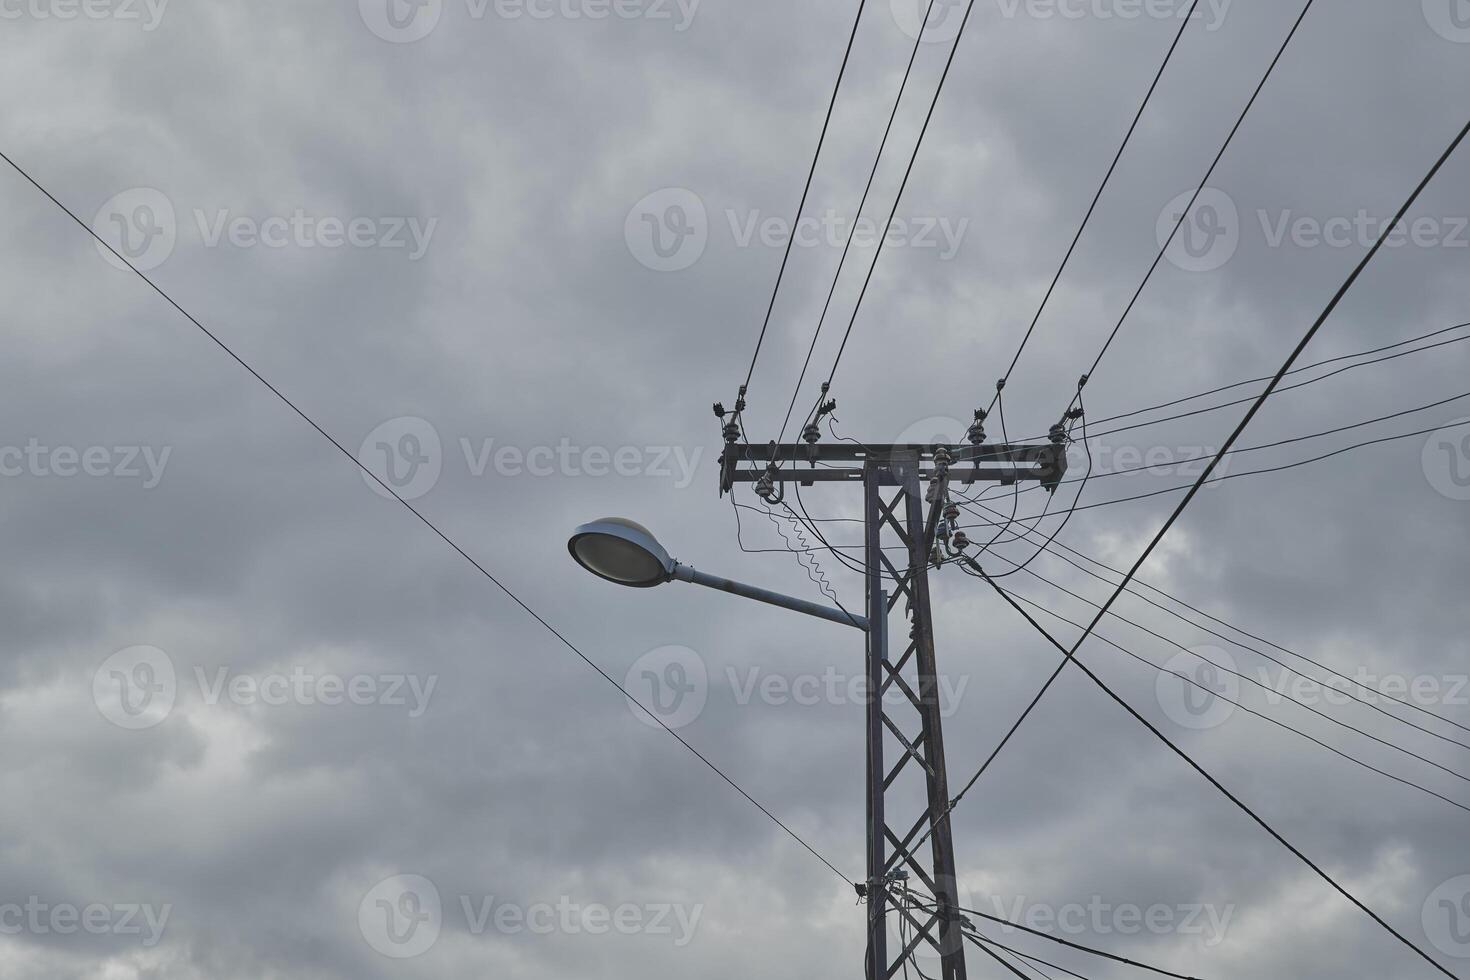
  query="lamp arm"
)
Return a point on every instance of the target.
[{"x": 687, "y": 573}]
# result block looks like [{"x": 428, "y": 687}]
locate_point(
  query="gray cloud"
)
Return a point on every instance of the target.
[{"x": 528, "y": 781}]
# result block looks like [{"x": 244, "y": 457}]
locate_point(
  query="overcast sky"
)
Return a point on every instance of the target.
[{"x": 261, "y": 722}]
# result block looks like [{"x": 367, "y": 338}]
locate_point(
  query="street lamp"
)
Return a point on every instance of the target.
[
  {"x": 627, "y": 553},
  {"x": 621, "y": 551}
]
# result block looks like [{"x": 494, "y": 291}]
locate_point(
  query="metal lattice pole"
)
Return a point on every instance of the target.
[
  {"x": 913, "y": 721},
  {"x": 903, "y": 710}
]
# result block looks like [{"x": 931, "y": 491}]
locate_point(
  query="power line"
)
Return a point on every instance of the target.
[
  {"x": 1035, "y": 519},
  {"x": 1077, "y": 500},
  {"x": 1070, "y": 657},
  {"x": 898, "y": 198},
  {"x": 1245, "y": 677},
  {"x": 985, "y": 766},
  {"x": 1301, "y": 656},
  {"x": 847, "y": 562},
  {"x": 1261, "y": 472},
  {"x": 1281, "y": 391},
  {"x": 811, "y": 175},
  {"x": 1240, "y": 428},
  {"x": 1261, "y": 653},
  {"x": 1046, "y": 546},
  {"x": 837, "y": 549},
  {"x": 1265, "y": 717},
  {"x": 1292, "y": 440},
  {"x": 1184, "y": 213},
  {"x": 1086, "y": 218},
  {"x": 1006, "y": 924},
  {"x": 852, "y": 232},
  {"x": 984, "y": 948},
  {"x": 1076, "y": 398},
  {"x": 1194, "y": 490},
  {"x": 1027, "y": 956},
  {"x": 1296, "y": 370},
  {"x": 419, "y": 514},
  {"x": 805, "y": 555},
  {"x": 966, "y": 503},
  {"x": 810, "y": 565},
  {"x": 999, "y": 404}
]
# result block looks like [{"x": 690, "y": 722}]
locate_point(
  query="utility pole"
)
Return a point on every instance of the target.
[{"x": 905, "y": 491}]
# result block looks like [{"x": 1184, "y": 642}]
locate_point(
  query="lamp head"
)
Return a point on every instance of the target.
[{"x": 621, "y": 551}]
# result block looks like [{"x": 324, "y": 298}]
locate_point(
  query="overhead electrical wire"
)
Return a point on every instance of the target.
[
  {"x": 1284, "y": 388},
  {"x": 1294, "y": 371},
  {"x": 1261, "y": 653},
  {"x": 1007, "y": 924},
  {"x": 1025, "y": 956},
  {"x": 906, "y": 902},
  {"x": 1231, "y": 701},
  {"x": 1205, "y": 476},
  {"x": 903, "y": 185},
  {"x": 1193, "y": 491},
  {"x": 1070, "y": 654},
  {"x": 1076, "y": 399},
  {"x": 1242, "y": 676},
  {"x": 1080, "y": 948},
  {"x": 377, "y": 481},
  {"x": 1103, "y": 609},
  {"x": 999, "y": 404},
  {"x": 1292, "y": 440},
  {"x": 806, "y": 190},
  {"x": 967, "y": 504},
  {"x": 1261, "y": 472},
  {"x": 1286, "y": 696},
  {"x": 805, "y": 554},
  {"x": 1092, "y": 207},
  {"x": 1010, "y": 967},
  {"x": 1188, "y": 208},
  {"x": 857, "y": 215},
  {"x": 1070, "y": 657},
  {"x": 811, "y": 523},
  {"x": 847, "y": 561},
  {"x": 1077, "y": 500},
  {"x": 1024, "y": 962},
  {"x": 1087, "y": 217},
  {"x": 1301, "y": 656}
]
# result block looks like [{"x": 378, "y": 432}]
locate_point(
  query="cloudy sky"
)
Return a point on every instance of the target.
[{"x": 261, "y": 722}]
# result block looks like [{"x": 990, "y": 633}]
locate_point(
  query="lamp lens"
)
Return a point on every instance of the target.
[{"x": 619, "y": 560}]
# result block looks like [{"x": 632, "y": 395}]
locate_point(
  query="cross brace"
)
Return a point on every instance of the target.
[{"x": 843, "y": 462}]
